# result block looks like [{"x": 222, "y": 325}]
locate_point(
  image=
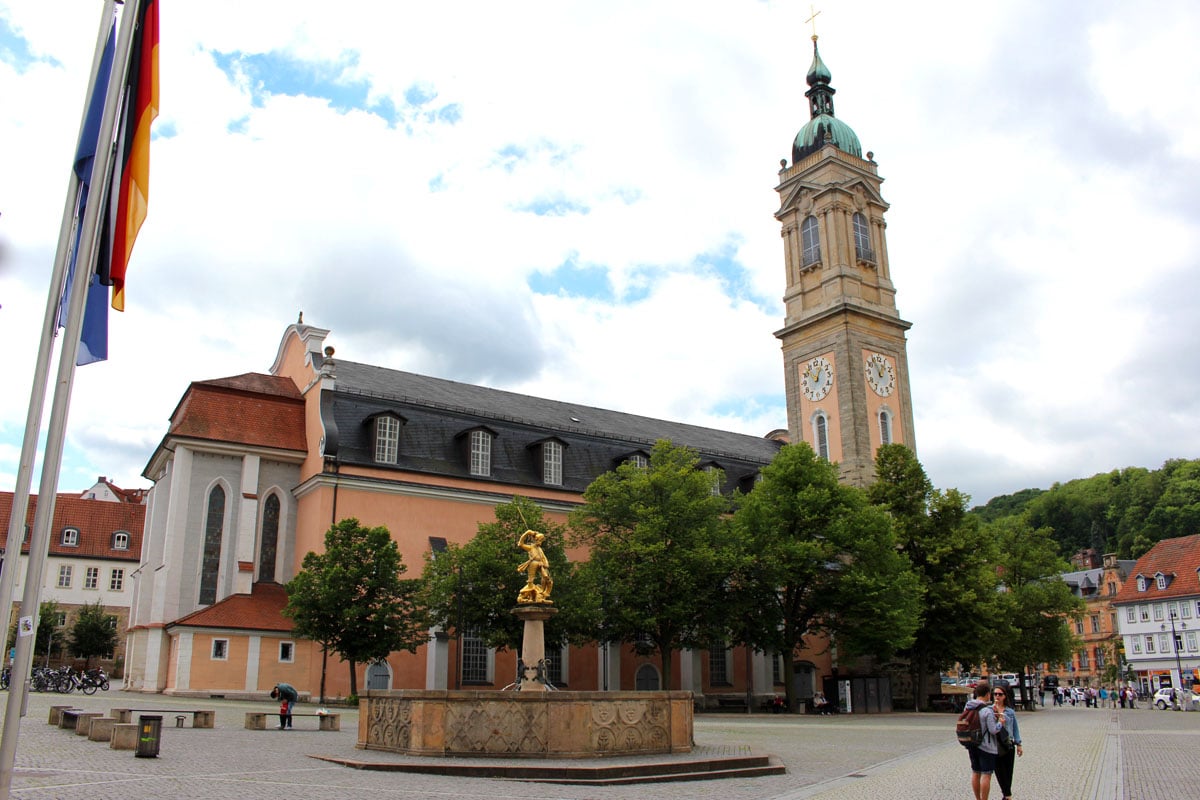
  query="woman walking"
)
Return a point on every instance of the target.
[{"x": 1006, "y": 759}]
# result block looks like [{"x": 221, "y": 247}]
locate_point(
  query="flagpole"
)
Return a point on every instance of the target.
[{"x": 55, "y": 437}]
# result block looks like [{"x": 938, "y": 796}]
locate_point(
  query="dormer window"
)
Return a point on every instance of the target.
[
  {"x": 1141, "y": 583},
  {"x": 387, "y": 437},
  {"x": 120, "y": 540},
  {"x": 481, "y": 452},
  {"x": 548, "y": 460},
  {"x": 639, "y": 460},
  {"x": 70, "y": 537},
  {"x": 1160, "y": 580},
  {"x": 715, "y": 474}
]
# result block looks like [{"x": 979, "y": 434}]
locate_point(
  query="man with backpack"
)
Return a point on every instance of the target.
[{"x": 976, "y": 730}]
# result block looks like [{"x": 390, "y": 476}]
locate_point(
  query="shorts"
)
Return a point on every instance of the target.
[{"x": 982, "y": 763}]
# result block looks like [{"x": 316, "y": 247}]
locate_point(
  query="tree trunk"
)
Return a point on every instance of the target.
[
  {"x": 353, "y": 679},
  {"x": 324, "y": 661},
  {"x": 920, "y": 670},
  {"x": 789, "y": 681}
]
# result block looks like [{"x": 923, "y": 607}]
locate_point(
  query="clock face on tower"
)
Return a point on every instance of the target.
[
  {"x": 881, "y": 376},
  {"x": 816, "y": 378}
]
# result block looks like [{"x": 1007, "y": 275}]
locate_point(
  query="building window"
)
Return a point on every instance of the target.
[
  {"x": 60, "y": 619},
  {"x": 220, "y": 649},
  {"x": 64, "y": 576},
  {"x": 91, "y": 578},
  {"x": 1079, "y": 627},
  {"x": 1164, "y": 643},
  {"x": 210, "y": 556},
  {"x": 1112, "y": 588},
  {"x": 1144, "y": 613},
  {"x": 387, "y": 439},
  {"x": 270, "y": 539},
  {"x": 1141, "y": 583},
  {"x": 639, "y": 461},
  {"x": 116, "y": 580},
  {"x": 70, "y": 537},
  {"x": 821, "y": 432},
  {"x": 714, "y": 474},
  {"x": 1098, "y": 655},
  {"x": 112, "y": 623},
  {"x": 776, "y": 668},
  {"x": 810, "y": 242},
  {"x": 120, "y": 540},
  {"x": 1160, "y": 581},
  {"x": 475, "y": 660},
  {"x": 552, "y": 463},
  {"x": 1131, "y": 614},
  {"x": 1185, "y": 610},
  {"x": 1095, "y": 623},
  {"x": 1149, "y": 644},
  {"x": 1083, "y": 659},
  {"x": 885, "y": 427},
  {"x": 287, "y": 652},
  {"x": 718, "y": 666},
  {"x": 1191, "y": 641},
  {"x": 481, "y": 453},
  {"x": 862, "y": 239},
  {"x": 1137, "y": 644},
  {"x": 556, "y": 666},
  {"x": 1158, "y": 612}
]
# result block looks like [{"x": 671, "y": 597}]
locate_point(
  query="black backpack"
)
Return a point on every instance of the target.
[{"x": 969, "y": 728}]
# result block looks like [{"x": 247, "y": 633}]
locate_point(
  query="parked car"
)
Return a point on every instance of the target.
[{"x": 1162, "y": 698}]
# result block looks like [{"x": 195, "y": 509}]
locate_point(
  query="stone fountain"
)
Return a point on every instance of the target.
[{"x": 534, "y": 720}]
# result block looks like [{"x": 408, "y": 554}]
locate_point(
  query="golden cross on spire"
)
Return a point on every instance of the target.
[{"x": 813, "y": 20}]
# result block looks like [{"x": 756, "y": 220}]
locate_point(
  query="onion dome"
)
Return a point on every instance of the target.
[{"x": 824, "y": 126}]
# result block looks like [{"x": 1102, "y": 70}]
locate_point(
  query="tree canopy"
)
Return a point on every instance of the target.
[
  {"x": 352, "y": 598},
  {"x": 661, "y": 556},
  {"x": 94, "y": 632}
]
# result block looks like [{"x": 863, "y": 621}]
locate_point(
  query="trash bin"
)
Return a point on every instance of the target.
[{"x": 149, "y": 736}]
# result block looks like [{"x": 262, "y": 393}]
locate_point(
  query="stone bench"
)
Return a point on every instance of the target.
[
  {"x": 73, "y": 718},
  {"x": 56, "y": 714},
  {"x": 100, "y": 729},
  {"x": 257, "y": 720},
  {"x": 124, "y": 736},
  {"x": 201, "y": 718}
]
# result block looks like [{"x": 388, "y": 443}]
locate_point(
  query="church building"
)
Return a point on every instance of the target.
[{"x": 255, "y": 468}]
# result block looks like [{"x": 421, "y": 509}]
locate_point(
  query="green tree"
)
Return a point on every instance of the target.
[
  {"x": 49, "y": 637},
  {"x": 660, "y": 553},
  {"x": 953, "y": 562},
  {"x": 1036, "y": 600},
  {"x": 94, "y": 633},
  {"x": 821, "y": 561},
  {"x": 473, "y": 587},
  {"x": 353, "y": 600}
]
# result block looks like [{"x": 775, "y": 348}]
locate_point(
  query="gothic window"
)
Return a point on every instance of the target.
[
  {"x": 210, "y": 556},
  {"x": 481, "y": 453},
  {"x": 387, "y": 439},
  {"x": 862, "y": 239},
  {"x": 821, "y": 432},
  {"x": 810, "y": 242},
  {"x": 552, "y": 463},
  {"x": 270, "y": 539},
  {"x": 885, "y": 427}
]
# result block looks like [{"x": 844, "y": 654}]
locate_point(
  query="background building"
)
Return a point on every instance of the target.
[{"x": 1097, "y": 584}]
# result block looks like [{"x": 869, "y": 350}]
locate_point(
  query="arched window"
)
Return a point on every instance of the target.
[
  {"x": 210, "y": 557},
  {"x": 821, "y": 429},
  {"x": 70, "y": 537},
  {"x": 810, "y": 242},
  {"x": 885, "y": 427},
  {"x": 862, "y": 239},
  {"x": 120, "y": 540},
  {"x": 646, "y": 678},
  {"x": 270, "y": 539}
]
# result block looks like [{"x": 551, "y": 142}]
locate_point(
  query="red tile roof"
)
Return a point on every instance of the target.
[
  {"x": 1178, "y": 559},
  {"x": 261, "y": 610},
  {"x": 96, "y": 521},
  {"x": 250, "y": 409}
]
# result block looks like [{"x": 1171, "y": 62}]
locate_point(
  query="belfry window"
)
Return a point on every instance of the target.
[
  {"x": 821, "y": 432},
  {"x": 810, "y": 242},
  {"x": 862, "y": 239},
  {"x": 885, "y": 427}
]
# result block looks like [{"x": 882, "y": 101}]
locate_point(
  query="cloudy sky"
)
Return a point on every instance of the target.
[{"x": 575, "y": 199}]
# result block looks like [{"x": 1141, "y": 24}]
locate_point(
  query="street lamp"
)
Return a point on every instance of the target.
[{"x": 1175, "y": 646}]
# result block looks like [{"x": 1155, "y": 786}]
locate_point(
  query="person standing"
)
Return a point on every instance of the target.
[
  {"x": 287, "y": 696},
  {"x": 1006, "y": 757},
  {"x": 983, "y": 755}
]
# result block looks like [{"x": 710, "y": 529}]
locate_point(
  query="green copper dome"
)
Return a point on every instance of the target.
[{"x": 824, "y": 126}]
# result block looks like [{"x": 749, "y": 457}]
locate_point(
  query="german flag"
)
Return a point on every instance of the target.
[{"x": 138, "y": 110}]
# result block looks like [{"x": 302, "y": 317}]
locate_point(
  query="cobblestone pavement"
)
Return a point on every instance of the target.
[{"x": 1084, "y": 754}]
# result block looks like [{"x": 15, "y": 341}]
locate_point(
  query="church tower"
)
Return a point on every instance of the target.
[{"x": 843, "y": 341}]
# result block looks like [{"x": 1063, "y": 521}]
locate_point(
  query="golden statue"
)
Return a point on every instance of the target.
[{"x": 536, "y": 566}]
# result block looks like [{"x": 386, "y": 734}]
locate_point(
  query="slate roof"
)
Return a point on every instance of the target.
[
  {"x": 261, "y": 610},
  {"x": 437, "y": 412},
  {"x": 1178, "y": 559},
  {"x": 251, "y": 409},
  {"x": 96, "y": 521}
]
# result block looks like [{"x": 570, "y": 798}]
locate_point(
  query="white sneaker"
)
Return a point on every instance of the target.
[{"x": 279, "y": 728}]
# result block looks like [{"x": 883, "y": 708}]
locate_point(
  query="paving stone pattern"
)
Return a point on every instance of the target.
[{"x": 1070, "y": 754}]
